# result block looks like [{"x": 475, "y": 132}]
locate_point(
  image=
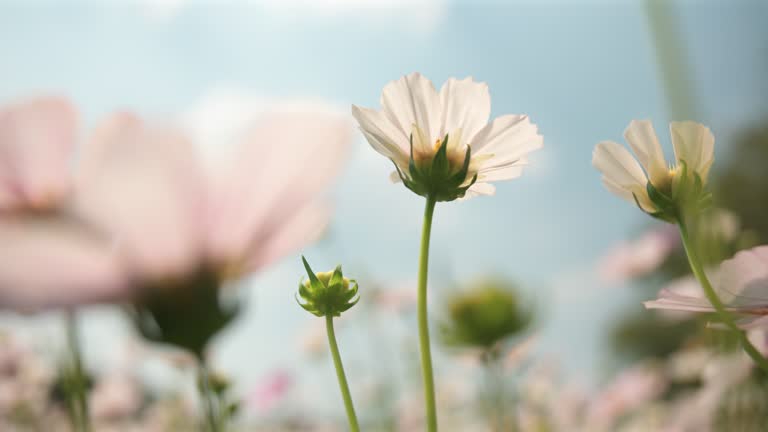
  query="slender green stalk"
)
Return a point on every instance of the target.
[
  {"x": 206, "y": 394},
  {"x": 722, "y": 313},
  {"x": 343, "y": 386},
  {"x": 426, "y": 354},
  {"x": 78, "y": 386}
]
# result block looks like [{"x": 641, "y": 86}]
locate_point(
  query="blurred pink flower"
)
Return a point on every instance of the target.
[
  {"x": 173, "y": 214},
  {"x": 37, "y": 228},
  {"x": 37, "y": 141},
  {"x": 628, "y": 391},
  {"x": 741, "y": 283},
  {"x": 643, "y": 255},
  {"x": 268, "y": 392},
  {"x": 115, "y": 396}
]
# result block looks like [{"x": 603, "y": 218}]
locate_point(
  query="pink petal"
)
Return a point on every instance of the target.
[
  {"x": 287, "y": 160},
  {"x": 52, "y": 262},
  {"x": 37, "y": 138},
  {"x": 144, "y": 186}
]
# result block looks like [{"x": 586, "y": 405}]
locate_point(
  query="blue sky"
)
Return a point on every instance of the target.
[{"x": 581, "y": 70}]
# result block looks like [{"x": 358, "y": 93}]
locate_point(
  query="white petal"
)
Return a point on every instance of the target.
[
  {"x": 412, "y": 100},
  {"x": 507, "y": 137},
  {"x": 478, "y": 189},
  {"x": 382, "y": 135},
  {"x": 466, "y": 105},
  {"x": 642, "y": 138},
  {"x": 36, "y": 147},
  {"x": 52, "y": 262},
  {"x": 505, "y": 172},
  {"x": 618, "y": 166},
  {"x": 695, "y": 144},
  {"x": 631, "y": 193}
]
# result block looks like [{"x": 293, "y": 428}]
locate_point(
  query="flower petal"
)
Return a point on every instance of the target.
[
  {"x": 478, "y": 189},
  {"x": 694, "y": 144},
  {"x": 285, "y": 160},
  {"x": 78, "y": 266},
  {"x": 642, "y": 138},
  {"x": 144, "y": 186},
  {"x": 466, "y": 105},
  {"x": 743, "y": 280},
  {"x": 622, "y": 174},
  {"x": 382, "y": 135},
  {"x": 412, "y": 100},
  {"x": 301, "y": 228},
  {"x": 37, "y": 140},
  {"x": 507, "y": 137}
]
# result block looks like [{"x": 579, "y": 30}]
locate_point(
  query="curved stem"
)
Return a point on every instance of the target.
[
  {"x": 725, "y": 317},
  {"x": 205, "y": 394},
  {"x": 79, "y": 402},
  {"x": 343, "y": 386},
  {"x": 426, "y": 354}
]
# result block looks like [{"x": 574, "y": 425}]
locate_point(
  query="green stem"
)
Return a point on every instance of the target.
[
  {"x": 722, "y": 313},
  {"x": 426, "y": 354},
  {"x": 343, "y": 386},
  {"x": 206, "y": 394},
  {"x": 79, "y": 401}
]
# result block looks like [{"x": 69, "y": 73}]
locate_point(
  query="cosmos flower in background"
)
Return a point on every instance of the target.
[
  {"x": 38, "y": 227},
  {"x": 443, "y": 139},
  {"x": 741, "y": 283},
  {"x": 634, "y": 181},
  {"x": 185, "y": 226},
  {"x": 639, "y": 257}
]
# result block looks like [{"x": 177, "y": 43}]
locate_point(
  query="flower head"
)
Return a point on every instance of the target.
[
  {"x": 659, "y": 189},
  {"x": 184, "y": 227},
  {"x": 327, "y": 293},
  {"x": 441, "y": 142},
  {"x": 741, "y": 284}
]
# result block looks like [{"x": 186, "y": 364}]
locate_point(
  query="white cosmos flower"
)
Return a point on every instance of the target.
[
  {"x": 741, "y": 283},
  {"x": 413, "y": 110},
  {"x": 625, "y": 177}
]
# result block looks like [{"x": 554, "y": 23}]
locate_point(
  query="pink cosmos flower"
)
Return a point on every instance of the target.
[
  {"x": 741, "y": 283},
  {"x": 141, "y": 205},
  {"x": 640, "y": 256},
  {"x": 270, "y": 391},
  {"x": 49, "y": 257},
  {"x": 173, "y": 215}
]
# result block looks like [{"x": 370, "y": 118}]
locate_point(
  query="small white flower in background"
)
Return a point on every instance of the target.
[
  {"x": 415, "y": 120},
  {"x": 741, "y": 283},
  {"x": 683, "y": 180}
]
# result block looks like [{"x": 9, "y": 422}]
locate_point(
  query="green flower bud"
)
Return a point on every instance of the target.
[
  {"x": 439, "y": 174},
  {"x": 326, "y": 293},
  {"x": 484, "y": 316}
]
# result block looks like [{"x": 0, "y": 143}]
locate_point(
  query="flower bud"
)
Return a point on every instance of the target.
[
  {"x": 484, "y": 316},
  {"x": 326, "y": 293}
]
